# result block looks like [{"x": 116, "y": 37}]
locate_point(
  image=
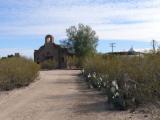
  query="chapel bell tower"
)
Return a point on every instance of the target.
[{"x": 49, "y": 39}]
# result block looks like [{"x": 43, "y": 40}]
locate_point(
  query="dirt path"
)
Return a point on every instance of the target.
[{"x": 58, "y": 95}]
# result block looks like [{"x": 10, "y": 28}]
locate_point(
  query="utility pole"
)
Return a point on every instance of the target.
[
  {"x": 154, "y": 46},
  {"x": 112, "y": 45}
]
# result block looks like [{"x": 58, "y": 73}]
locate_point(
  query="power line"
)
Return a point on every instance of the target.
[{"x": 112, "y": 45}]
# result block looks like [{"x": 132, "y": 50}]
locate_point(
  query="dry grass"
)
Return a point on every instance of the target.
[
  {"x": 138, "y": 78},
  {"x": 17, "y": 72},
  {"x": 49, "y": 64}
]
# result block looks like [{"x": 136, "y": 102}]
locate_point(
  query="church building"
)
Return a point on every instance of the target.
[{"x": 52, "y": 51}]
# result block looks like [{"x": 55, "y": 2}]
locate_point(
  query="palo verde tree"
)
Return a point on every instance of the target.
[{"x": 82, "y": 39}]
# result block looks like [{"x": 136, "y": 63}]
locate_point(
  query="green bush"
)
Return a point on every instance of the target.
[
  {"x": 16, "y": 72},
  {"x": 49, "y": 64},
  {"x": 128, "y": 81}
]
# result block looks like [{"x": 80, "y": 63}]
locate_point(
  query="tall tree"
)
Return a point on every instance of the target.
[{"x": 82, "y": 39}]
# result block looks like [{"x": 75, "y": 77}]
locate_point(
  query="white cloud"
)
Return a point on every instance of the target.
[{"x": 140, "y": 19}]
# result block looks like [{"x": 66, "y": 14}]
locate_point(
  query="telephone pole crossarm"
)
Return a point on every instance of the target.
[{"x": 112, "y": 45}]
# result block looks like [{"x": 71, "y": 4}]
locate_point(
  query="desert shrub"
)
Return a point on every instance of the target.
[
  {"x": 16, "y": 72},
  {"x": 72, "y": 61},
  {"x": 49, "y": 64},
  {"x": 128, "y": 81}
]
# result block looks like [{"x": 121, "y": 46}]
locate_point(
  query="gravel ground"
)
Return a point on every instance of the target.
[{"x": 59, "y": 95}]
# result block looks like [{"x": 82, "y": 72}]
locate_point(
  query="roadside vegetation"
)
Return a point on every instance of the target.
[
  {"x": 127, "y": 81},
  {"x": 17, "y": 72},
  {"x": 72, "y": 62},
  {"x": 48, "y": 65}
]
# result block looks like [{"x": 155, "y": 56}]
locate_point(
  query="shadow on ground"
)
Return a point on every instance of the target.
[
  {"x": 85, "y": 100},
  {"x": 90, "y": 100}
]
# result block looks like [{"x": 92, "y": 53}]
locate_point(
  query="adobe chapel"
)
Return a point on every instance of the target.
[{"x": 52, "y": 51}]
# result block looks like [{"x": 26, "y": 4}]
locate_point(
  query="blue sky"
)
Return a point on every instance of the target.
[{"x": 24, "y": 24}]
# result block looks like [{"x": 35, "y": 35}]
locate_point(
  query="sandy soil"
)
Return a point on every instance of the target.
[{"x": 59, "y": 95}]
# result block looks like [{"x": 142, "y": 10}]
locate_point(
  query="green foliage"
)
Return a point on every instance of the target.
[
  {"x": 128, "y": 81},
  {"x": 49, "y": 64},
  {"x": 16, "y": 72},
  {"x": 83, "y": 40}
]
